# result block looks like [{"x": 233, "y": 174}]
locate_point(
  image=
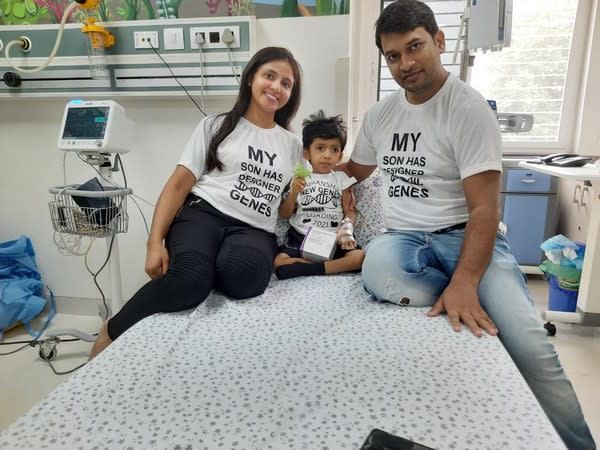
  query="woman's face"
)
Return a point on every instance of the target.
[{"x": 272, "y": 86}]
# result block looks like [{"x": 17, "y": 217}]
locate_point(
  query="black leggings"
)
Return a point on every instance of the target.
[{"x": 207, "y": 249}]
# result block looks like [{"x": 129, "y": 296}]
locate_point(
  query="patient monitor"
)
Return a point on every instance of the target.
[{"x": 98, "y": 126}]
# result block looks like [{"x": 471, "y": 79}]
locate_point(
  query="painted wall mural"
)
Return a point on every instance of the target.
[{"x": 23, "y": 12}]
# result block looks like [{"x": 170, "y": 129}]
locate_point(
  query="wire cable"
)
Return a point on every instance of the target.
[
  {"x": 64, "y": 168},
  {"x": 95, "y": 275},
  {"x": 46, "y": 63},
  {"x": 118, "y": 158},
  {"x": 15, "y": 351},
  {"x": 202, "y": 74},
  {"x": 235, "y": 75},
  {"x": 175, "y": 78},
  {"x": 35, "y": 342},
  {"x": 143, "y": 216},
  {"x": 65, "y": 372},
  {"x": 66, "y": 243}
]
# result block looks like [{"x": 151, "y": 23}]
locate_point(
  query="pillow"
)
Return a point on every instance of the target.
[
  {"x": 369, "y": 208},
  {"x": 281, "y": 229}
]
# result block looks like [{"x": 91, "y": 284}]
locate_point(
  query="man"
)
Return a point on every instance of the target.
[{"x": 438, "y": 145}]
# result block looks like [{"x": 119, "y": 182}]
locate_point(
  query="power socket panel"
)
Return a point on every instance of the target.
[
  {"x": 213, "y": 37},
  {"x": 145, "y": 39}
]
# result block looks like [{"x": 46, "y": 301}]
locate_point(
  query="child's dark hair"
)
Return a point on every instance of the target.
[
  {"x": 402, "y": 16},
  {"x": 319, "y": 126}
]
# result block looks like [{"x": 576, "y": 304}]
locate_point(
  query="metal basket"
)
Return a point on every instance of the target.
[{"x": 89, "y": 213}]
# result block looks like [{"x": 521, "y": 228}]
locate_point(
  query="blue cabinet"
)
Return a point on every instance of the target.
[{"x": 529, "y": 205}]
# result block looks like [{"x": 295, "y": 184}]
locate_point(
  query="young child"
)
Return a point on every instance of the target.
[{"x": 321, "y": 200}]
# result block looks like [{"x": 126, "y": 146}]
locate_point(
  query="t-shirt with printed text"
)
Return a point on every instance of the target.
[
  {"x": 426, "y": 150},
  {"x": 258, "y": 164},
  {"x": 320, "y": 202}
]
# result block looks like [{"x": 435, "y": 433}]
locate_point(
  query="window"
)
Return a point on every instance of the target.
[{"x": 530, "y": 76}]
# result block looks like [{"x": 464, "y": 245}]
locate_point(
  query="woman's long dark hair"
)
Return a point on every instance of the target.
[{"x": 283, "y": 116}]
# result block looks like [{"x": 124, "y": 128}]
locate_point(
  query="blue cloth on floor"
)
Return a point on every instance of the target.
[{"x": 21, "y": 287}]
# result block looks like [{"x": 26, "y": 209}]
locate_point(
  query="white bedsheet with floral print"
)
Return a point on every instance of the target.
[{"x": 313, "y": 363}]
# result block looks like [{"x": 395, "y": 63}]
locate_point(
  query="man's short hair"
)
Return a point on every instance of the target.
[
  {"x": 319, "y": 126},
  {"x": 402, "y": 16}
]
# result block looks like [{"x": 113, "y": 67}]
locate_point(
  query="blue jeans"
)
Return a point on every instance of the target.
[{"x": 413, "y": 268}]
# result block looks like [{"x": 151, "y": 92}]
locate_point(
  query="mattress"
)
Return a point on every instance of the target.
[{"x": 314, "y": 363}]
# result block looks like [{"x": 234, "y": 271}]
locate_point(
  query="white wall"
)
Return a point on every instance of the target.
[{"x": 31, "y": 163}]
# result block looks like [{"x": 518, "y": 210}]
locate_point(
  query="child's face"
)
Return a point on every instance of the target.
[{"x": 324, "y": 154}]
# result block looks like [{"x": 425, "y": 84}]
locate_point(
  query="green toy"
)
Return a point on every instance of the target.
[{"x": 301, "y": 172}]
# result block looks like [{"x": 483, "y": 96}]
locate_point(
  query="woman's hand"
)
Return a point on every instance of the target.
[{"x": 157, "y": 260}]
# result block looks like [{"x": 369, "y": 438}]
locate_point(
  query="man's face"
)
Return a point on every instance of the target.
[{"x": 414, "y": 61}]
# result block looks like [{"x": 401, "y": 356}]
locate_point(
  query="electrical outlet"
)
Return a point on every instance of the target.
[
  {"x": 145, "y": 39},
  {"x": 213, "y": 36}
]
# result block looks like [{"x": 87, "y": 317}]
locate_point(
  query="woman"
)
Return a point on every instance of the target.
[{"x": 214, "y": 221}]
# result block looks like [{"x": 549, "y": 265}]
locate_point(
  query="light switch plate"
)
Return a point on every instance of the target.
[{"x": 173, "y": 39}]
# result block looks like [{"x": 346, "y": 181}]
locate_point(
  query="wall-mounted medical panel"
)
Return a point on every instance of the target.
[
  {"x": 133, "y": 67},
  {"x": 490, "y": 24}
]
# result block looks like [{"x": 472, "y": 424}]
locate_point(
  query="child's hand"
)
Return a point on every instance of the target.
[
  {"x": 345, "y": 235},
  {"x": 298, "y": 185},
  {"x": 347, "y": 242}
]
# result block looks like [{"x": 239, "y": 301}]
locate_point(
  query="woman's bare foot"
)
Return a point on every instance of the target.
[{"x": 102, "y": 341}]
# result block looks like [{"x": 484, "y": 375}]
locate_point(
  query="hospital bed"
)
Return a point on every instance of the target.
[{"x": 313, "y": 363}]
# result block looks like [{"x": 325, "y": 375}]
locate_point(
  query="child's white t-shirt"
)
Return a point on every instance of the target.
[
  {"x": 258, "y": 164},
  {"x": 320, "y": 203}
]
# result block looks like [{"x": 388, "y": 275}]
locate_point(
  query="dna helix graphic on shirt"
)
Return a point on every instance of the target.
[
  {"x": 321, "y": 199},
  {"x": 254, "y": 191}
]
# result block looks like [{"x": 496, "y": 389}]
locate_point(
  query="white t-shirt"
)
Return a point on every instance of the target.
[
  {"x": 320, "y": 203},
  {"x": 258, "y": 164},
  {"x": 426, "y": 150}
]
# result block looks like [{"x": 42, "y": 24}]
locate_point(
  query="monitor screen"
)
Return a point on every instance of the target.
[{"x": 86, "y": 123}]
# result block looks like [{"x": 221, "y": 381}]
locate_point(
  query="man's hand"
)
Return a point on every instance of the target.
[
  {"x": 157, "y": 260},
  {"x": 298, "y": 185},
  {"x": 461, "y": 303}
]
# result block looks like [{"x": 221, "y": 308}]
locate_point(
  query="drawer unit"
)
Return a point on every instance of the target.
[
  {"x": 529, "y": 205},
  {"x": 522, "y": 180}
]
